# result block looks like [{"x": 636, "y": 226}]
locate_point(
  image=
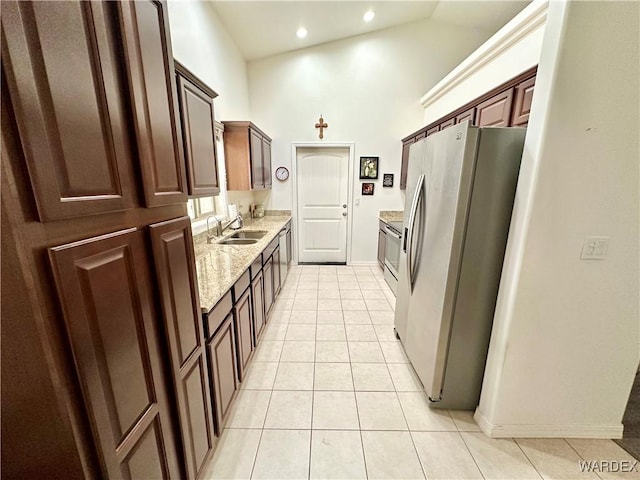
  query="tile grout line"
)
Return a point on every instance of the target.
[
  {"x": 266, "y": 413},
  {"x": 528, "y": 459},
  {"x": 579, "y": 455},
  {"x": 313, "y": 393},
  {"x": 464, "y": 442}
]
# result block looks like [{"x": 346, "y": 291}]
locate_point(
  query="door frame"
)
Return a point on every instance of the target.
[{"x": 294, "y": 177}]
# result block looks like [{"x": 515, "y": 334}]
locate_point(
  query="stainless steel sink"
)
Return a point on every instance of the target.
[
  {"x": 238, "y": 241},
  {"x": 249, "y": 234}
]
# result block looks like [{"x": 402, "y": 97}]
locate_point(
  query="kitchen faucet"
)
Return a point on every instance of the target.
[{"x": 220, "y": 227}]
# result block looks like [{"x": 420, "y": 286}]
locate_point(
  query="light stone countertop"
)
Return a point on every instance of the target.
[
  {"x": 219, "y": 266},
  {"x": 391, "y": 215}
]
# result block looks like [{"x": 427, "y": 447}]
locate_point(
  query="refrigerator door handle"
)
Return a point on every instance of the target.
[{"x": 412, "y": 220}]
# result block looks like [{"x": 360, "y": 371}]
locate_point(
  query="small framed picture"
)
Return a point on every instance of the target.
[
  {"x": 368, "y": 167},
  {"x": 367, "y": 188},
  {"x": 387, "y": 179}
]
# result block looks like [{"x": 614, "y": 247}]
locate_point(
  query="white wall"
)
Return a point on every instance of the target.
[
  {"x": 514, "y": 49},
  {"x": 201, "y": 43},
  {"x": 367, "y": 88},
  {"x": 564, "y": 347}
]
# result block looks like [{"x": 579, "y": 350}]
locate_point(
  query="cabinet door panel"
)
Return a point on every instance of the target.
[
  {"x": 276, "y": 272},
  {"x": 266, "y": 162},
  {"x": 244, "y": 331},
  {"x": 257, "y": 297},
  {"x": 433, "y": 130},
  {"x": 61, "y": 64},
  {"x": 268, "y": 286},
  {"x": 149, "y": 59},
  {"x": 175, "y": 267},
  {"x": 468, "y": 115},
  {"x": 108, "y": 307},
  {"x": 495, "y": 112},
  {"x": 522, "y": 103},
  {"x": 290, "y": 246},
  {"x": 223, "y": 372},
  {"x": 447, "y": 124},
  {"x": 257, "y": 171},
  {"x": 198, "y": 127}
]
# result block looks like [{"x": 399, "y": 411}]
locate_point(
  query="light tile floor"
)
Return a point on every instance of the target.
[{"x": 330, "y": 394}]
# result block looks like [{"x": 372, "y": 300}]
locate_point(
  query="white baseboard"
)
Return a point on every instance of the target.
[
  {"x": 547, "y": 431},
  {"x": 363, "y": 264}
]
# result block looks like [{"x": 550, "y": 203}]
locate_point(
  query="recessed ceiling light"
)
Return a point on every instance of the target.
[
  {"x": 368, "y": 16},
  {"x": 302, "y": 32}
]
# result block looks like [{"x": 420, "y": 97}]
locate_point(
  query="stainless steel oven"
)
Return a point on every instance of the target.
[{"x": 392, "y": 254}]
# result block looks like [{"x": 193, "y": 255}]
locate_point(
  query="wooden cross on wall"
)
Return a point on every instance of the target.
[{"x": 321, "y": 125}]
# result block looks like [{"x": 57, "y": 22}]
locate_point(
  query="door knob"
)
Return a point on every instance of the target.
[
  {"x": 344, "y": 206},
  {"x": 344, "y": 214}
]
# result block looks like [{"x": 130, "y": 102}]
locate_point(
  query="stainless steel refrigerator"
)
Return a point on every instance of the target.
[{"x": 460, "y": 190}]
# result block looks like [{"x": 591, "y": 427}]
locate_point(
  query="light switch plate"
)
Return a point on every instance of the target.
[{"x": 595, "y": 248}]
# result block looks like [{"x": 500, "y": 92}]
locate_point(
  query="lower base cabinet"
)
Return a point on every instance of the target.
[
  {"x": 276, "y": 272},
  {"x": 244, "y": 331},
  {"x": 257, "y": 297},
  {"x": 222, "y": 353},
  {"x": 267, "y": 271}
]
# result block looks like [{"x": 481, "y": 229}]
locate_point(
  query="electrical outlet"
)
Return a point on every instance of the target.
[
  {"x": 357, "y": 202},
  {"x": 595, "y": 248}
]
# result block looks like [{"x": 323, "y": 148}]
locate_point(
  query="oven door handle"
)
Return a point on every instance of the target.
[{"x": 392, "y": 233}]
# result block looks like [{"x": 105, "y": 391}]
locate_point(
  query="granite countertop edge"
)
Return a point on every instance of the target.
[
  {"x": 218, "y": 266},
  {"x": 391, "y": 216}
]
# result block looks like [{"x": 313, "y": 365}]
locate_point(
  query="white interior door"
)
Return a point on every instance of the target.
[{"x": 323, "y": 180}]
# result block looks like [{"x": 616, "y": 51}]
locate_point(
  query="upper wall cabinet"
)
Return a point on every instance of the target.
[
  {"x": 247, "y": 152},
  {"x": 198, "y": 133},
  {"x": 61, "y": 63},
  {"x": 507, "y": 105},
  {"x": 150, "y": 71}
]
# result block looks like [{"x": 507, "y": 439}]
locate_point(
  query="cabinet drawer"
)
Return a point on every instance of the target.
[
  {"x": 241, "y": 285},
  {"x": 256, "y": 266},
  {"x": 216, "y": 316},
  {"x": 270, "y": 249}
]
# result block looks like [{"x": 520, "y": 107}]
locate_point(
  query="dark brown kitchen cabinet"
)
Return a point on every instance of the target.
[
  {"x": 276, "y": 272},
  {"x": 257, "y": 297},
  {"x": 244, "y": 331},
  {"x": 289, "y": 244},
  {"x": 61, "y": 61},
  {"x": 266, "y": 161},
  {"x": 247, "y": 152},
  {"x": 198, "y": 133},
  {"x": 507, "y": 105},
  {"x": 496, "y": 111},
  {"x": 174, "y": 260},
  {"x": 469, "y": 115},
  {"x": 105, "y": 290},
  {"x": 447, "y": 124},
  {"x": 432, "y": 130},
  {"x": 222, "y": 353},
  {"x": 267, "y": 271},
  {"x": 152, "y": 86},
  {"x": 522, "y": 103},
  {"x": 382, "y": 241}
]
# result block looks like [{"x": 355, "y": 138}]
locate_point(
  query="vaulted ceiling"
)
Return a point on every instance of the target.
[{"x": 265, "y": 28}]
